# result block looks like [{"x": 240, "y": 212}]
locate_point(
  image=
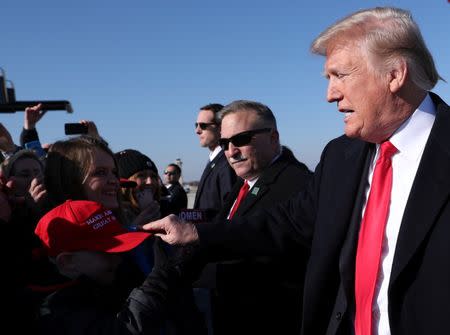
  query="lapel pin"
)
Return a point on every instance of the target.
[{"x": 255, "y": 190}]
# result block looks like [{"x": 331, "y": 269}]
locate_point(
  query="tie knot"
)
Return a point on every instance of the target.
[
  {"x": 245, "y": 186},
  {"x": 387, "y": 150}
]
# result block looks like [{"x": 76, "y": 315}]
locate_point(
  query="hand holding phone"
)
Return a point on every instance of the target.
[
  {"x": 75, "y": 128},
  {"x": 144, "y": 197}
]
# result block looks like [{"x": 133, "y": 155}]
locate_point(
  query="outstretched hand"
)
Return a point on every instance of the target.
[{"x": 173, "y": 230}]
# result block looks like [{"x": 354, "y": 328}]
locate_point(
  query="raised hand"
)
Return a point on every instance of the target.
[
  {"x": 32, "y": 116},
  {"x": 92, "y": 128},
  {"x": 37, "y": 192}
]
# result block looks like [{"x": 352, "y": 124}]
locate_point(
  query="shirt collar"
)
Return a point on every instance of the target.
[
  {"x": 410, "y": 138},
  {"x": 214, "y": 153},
  {"x": 252, "y": 182}
]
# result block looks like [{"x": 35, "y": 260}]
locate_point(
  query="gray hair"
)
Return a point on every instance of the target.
[
  {"x": 263, "y": 112},
  {"x": 387, "y": 33}
]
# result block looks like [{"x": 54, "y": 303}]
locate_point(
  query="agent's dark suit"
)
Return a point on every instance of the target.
[
  {"x": 215, "y": 184},
  {"x": 326, "y": 219},
  {"x": 251, "y": 290},
  {"x": 177, "y": 198}
]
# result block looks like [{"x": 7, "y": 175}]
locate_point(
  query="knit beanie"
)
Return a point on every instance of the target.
[
  {"x": 130, "y": 161},
  {"x": 7, "y": 165}
]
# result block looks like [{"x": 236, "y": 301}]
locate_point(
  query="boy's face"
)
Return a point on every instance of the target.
[
  {"x": 24, "y": 170},
  {"x": 98, "y": 266}
]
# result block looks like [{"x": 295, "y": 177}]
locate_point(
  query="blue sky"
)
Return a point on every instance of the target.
[{"x": 140, "y": 69}]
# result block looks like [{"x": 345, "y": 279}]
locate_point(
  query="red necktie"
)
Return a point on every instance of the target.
[
  {"x": 242, "y": 193},
  {"x": 370, "y": 239}
]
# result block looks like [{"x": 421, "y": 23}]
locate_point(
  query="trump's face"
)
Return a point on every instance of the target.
[{"x": 363, "y": 93}]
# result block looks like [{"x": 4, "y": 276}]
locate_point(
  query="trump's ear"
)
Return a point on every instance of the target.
[{"x": 398, "y": 75}]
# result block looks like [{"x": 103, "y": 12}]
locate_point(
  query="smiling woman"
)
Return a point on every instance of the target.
[
  {"x": 82, "y": 168},
  {"x": 95, "y": 253}
]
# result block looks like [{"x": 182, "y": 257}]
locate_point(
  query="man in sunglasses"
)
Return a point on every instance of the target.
[
  {"x": 177, "y": 197},
  {"x": 248, "y": 290},
  {"x": 215, "y": 184},
  {"x": 218, "y": 177}
]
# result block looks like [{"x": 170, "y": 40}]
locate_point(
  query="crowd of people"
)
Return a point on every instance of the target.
[
  {"x": 40, "y": 191},
  {"x": 95, "y": 243}
]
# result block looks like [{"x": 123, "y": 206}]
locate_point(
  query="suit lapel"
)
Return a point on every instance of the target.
[
  {"x": 255, "y": 193},
  {"x": 362, "y": 160},
  {"x": 206, "y": 172},
  {"x": 429, "y": 192},
  {"x": 262, "y": 186}
]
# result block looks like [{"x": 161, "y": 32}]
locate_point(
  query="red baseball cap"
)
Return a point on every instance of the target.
[
  {"x": 127, "y": 183},
  {"x": 85, "y": 225}
]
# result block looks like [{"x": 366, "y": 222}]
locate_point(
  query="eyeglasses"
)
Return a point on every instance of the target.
[
  {"x": 241, "y": 139},
  {"x": 170, "y": 173},
  {"x": 203, "y": 125}
]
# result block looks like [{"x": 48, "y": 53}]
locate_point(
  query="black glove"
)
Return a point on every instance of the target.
[
  {"x": 186, "y": 262},
  {"x": 161, "y": 251}
]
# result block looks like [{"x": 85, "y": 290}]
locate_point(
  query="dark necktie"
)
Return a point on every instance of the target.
[
  {"x": 370, "y": 240},
  {"x": 242, "y": 193}
]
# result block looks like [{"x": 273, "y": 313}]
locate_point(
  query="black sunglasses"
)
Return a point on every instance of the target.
[
  {"x": 203, "y": 125},
  {"x": 170, "y": 173},
  {"x": 241, "y": 139}
]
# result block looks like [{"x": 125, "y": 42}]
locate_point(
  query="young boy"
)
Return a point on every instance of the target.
[{"x": 87, "y": 244}]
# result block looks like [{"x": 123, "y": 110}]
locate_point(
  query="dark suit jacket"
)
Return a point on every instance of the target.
[
  {"x": 177, "y": 198},
  {"x": 326, "y": 219},
  {"x": 215, "y": 184},
  {"x": 249, "y": 290}
]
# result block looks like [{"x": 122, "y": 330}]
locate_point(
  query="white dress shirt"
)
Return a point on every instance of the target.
[
  {"x": 214, "y": 153},
  {"x": 410, "y": 140}
]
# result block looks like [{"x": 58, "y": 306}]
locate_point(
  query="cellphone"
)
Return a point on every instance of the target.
[
  {"x": 36, "y": 147},
  {"x": 75, "y": 128},
  {"x": 144, "y": 198}
]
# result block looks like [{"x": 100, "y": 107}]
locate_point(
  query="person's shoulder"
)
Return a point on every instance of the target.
[
  {"x": 439, "y": 102},
  {"x": 64, "y": 298},
  {"x": 177, "y": 187},
  {"x": 345, "y": 142},
  {"x": 291, "y": 162},
  {"x": 291, "y": 169},
  {"x": 221, "y": 159},
  {"x": 63, "y": 308},
  {"x": 344, "y": 147}
]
